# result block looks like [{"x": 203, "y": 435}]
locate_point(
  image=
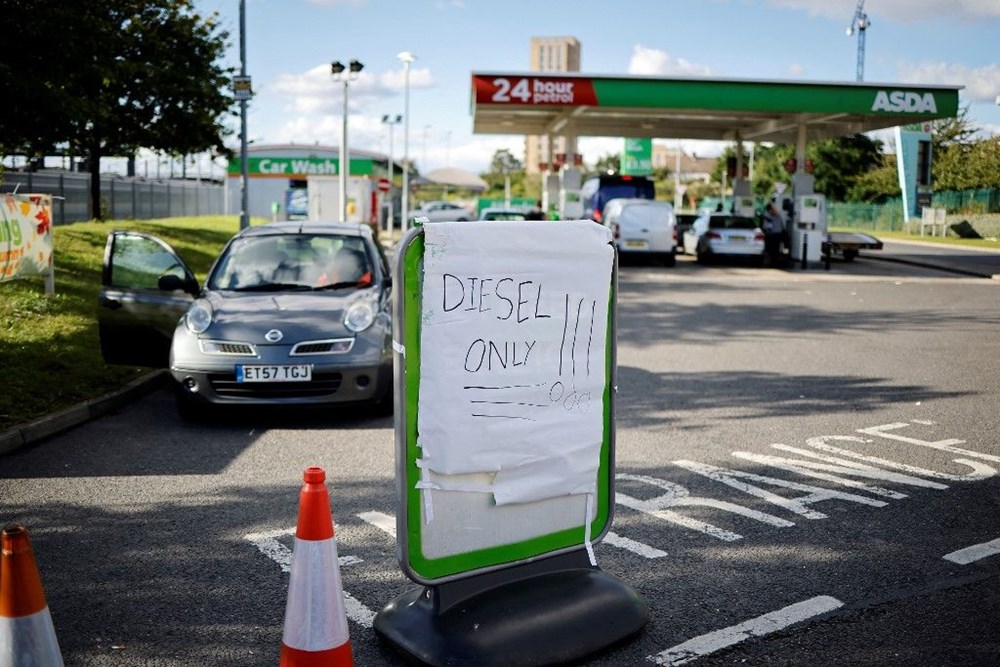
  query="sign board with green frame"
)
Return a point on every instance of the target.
[{"x": 455, "y": 522}]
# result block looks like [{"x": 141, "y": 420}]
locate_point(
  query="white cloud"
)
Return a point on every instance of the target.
[
  {"x": 901, "y": 11},
  {"x": 660, "y": 63},
  {"x": 315, "y": 91},
  {"x": 981, "y": 83}
]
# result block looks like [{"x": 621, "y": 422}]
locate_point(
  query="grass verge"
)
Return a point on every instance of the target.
[{"x": 49, "y": 348}]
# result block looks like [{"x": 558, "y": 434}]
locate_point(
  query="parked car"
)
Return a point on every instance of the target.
[
  {"x": 724, "y": 235},
  {"x": 495, "y": 213},
  {"x": 642, "y": 228},
  {"x": 443, "y": 211},
  {"x": 684, "y": 222},
  {"x": 291, "y": 313}
]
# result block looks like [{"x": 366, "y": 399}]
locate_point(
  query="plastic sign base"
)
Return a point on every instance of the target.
[{"x": 547, "y": 612}]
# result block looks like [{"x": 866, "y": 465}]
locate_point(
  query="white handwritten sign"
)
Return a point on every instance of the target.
[{"x": 513, "y": 354}]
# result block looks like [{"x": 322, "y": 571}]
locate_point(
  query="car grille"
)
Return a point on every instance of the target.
[
  {"x": 322, "y": 384},
  {"x": 333, "y": 346}
]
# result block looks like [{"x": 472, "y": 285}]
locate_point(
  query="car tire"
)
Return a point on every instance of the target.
[{"x": 849, "y": 255}]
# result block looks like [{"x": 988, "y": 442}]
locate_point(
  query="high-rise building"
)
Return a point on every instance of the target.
[{"x": 551, "y": 54}]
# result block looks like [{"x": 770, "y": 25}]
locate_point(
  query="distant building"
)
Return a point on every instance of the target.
[
  {"x": 551, "y": 54},
  {"x": 692, "y": 168}
]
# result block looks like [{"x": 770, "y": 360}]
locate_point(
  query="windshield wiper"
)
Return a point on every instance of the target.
[
  {"x": 272, "y": 287},
  {"x": 352, "y": 283}
]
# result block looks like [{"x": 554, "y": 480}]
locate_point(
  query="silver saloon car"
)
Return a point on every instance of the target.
[{"x": 291, "y": 313}]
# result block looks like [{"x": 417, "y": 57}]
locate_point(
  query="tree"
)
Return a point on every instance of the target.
[
  {"x": 878, "y": 184},
  {"x": 960, "y": 162},
  {"x": 610, "y": 163},
  {"x": 137, "y": 73}
]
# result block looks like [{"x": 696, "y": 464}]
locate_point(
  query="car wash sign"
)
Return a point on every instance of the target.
[{"x": 298, "y": 167}]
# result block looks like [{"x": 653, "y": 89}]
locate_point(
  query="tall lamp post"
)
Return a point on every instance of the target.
[
  {"x": 407, "y": 59},
  {"x": 391, "y": 121},
  {"x": 345, "y": 74}
]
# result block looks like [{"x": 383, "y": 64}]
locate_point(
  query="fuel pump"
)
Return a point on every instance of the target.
[
  {"x": 570, "y": 202},
  {"x": 745, "y": 206},
  {"x": 807, "y": 232}
]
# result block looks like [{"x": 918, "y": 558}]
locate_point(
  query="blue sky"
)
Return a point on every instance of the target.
[{"x": 291, "y": 43}]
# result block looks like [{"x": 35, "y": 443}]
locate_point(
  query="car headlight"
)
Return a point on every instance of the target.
[
  {"x": 359, "y": 316},
  {"x": 198, "y": 316}
]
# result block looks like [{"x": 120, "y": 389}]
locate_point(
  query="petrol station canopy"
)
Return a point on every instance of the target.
[{"x": 697, "y": 108}]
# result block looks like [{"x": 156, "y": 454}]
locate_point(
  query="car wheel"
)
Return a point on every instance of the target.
[{"x": 849, "y": 255}]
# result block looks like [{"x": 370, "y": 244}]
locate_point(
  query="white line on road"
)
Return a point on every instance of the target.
[
  {"x": 380, "y": 520},
  {"x": 269, "y": 545},
  {"x": 644, "y": 550},
  {"x": 974, "y": 553},
  {"x": 757, "y": 627}
]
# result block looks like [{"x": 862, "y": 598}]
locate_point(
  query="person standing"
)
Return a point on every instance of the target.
[{"x": 773, "y": 226}]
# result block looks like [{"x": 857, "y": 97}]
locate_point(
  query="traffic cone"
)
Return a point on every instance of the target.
[
  {"x": 27, "y": 637},
  {"x": 315, "y": 619}
]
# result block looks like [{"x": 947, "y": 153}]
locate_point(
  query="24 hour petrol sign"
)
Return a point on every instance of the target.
[{"x": 534, "y": 90}]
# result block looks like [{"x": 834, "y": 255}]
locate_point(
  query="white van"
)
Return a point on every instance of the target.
[{"x": 643, "y": 227}]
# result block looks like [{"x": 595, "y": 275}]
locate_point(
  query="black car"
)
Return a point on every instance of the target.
[{"x": 291, "y": 313}]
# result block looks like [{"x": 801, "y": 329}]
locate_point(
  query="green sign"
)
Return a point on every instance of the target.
[
  {"x": 299, "y": 167},
  {"x": 637, "y": 157}
]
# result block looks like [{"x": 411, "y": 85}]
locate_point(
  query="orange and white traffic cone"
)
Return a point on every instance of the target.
[
  {"x": 315, "y": 619},
  {"x": 26, "y": 633}
]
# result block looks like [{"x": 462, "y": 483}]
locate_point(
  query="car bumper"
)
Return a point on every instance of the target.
[
  {"x": 742, "y": 249},
  {"x": 329, "y": 385}
]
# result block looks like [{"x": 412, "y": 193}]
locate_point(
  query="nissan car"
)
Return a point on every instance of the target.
[{"x": 290, "y": 313}]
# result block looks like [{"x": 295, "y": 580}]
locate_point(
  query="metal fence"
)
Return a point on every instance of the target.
[
  {"x": 888, "y": 217},
  {"x": 121, "y": 198}
]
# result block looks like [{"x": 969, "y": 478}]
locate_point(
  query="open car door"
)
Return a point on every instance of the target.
[{"x": 145, "y": 288}]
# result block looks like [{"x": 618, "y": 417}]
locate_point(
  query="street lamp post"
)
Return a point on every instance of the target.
[
  {"x": 391, "y": 121},
  {"x": 345, "y": 74},
  {"x": 407, "y": 59}
]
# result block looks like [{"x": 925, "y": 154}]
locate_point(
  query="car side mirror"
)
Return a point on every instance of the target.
[{"x": 172, "y": 283}]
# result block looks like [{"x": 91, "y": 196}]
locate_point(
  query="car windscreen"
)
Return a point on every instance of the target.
[
  {"x": 291, "y": 261},
  {"x": 731, "y": 222}
]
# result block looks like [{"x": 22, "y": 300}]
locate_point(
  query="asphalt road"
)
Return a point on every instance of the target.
[{"x": 806, "y": 469}]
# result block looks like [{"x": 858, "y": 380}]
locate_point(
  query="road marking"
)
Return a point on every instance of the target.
[
  {"x": 267, "y": 543},
  {"x": 757, "y": 627},
  {"x": 384, "y": 522},
  {"x": 644, "y": 550},
  {"x": 676, "y": 495},
  {"x": 974, "y": 553}
]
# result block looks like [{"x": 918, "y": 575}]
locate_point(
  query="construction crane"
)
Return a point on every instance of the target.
[{"x": 860, "y": 23}]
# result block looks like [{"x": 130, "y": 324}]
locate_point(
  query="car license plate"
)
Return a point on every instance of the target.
[
  {"x": 633, "y": 243},
  {"x": 737, "y": 239},
  {"x": 284, "y": 373}
]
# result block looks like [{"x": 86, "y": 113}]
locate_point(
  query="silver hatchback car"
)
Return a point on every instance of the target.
[{"x": 291, "y": 313}]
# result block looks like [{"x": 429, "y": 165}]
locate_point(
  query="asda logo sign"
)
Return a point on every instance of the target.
[{"x": 902, "y": 101}]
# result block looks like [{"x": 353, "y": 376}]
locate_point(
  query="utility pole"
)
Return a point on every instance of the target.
[{"x": 243, "y": 95}]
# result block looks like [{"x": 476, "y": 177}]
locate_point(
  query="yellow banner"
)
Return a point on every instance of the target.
[{"x": 25, "y": 236}]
